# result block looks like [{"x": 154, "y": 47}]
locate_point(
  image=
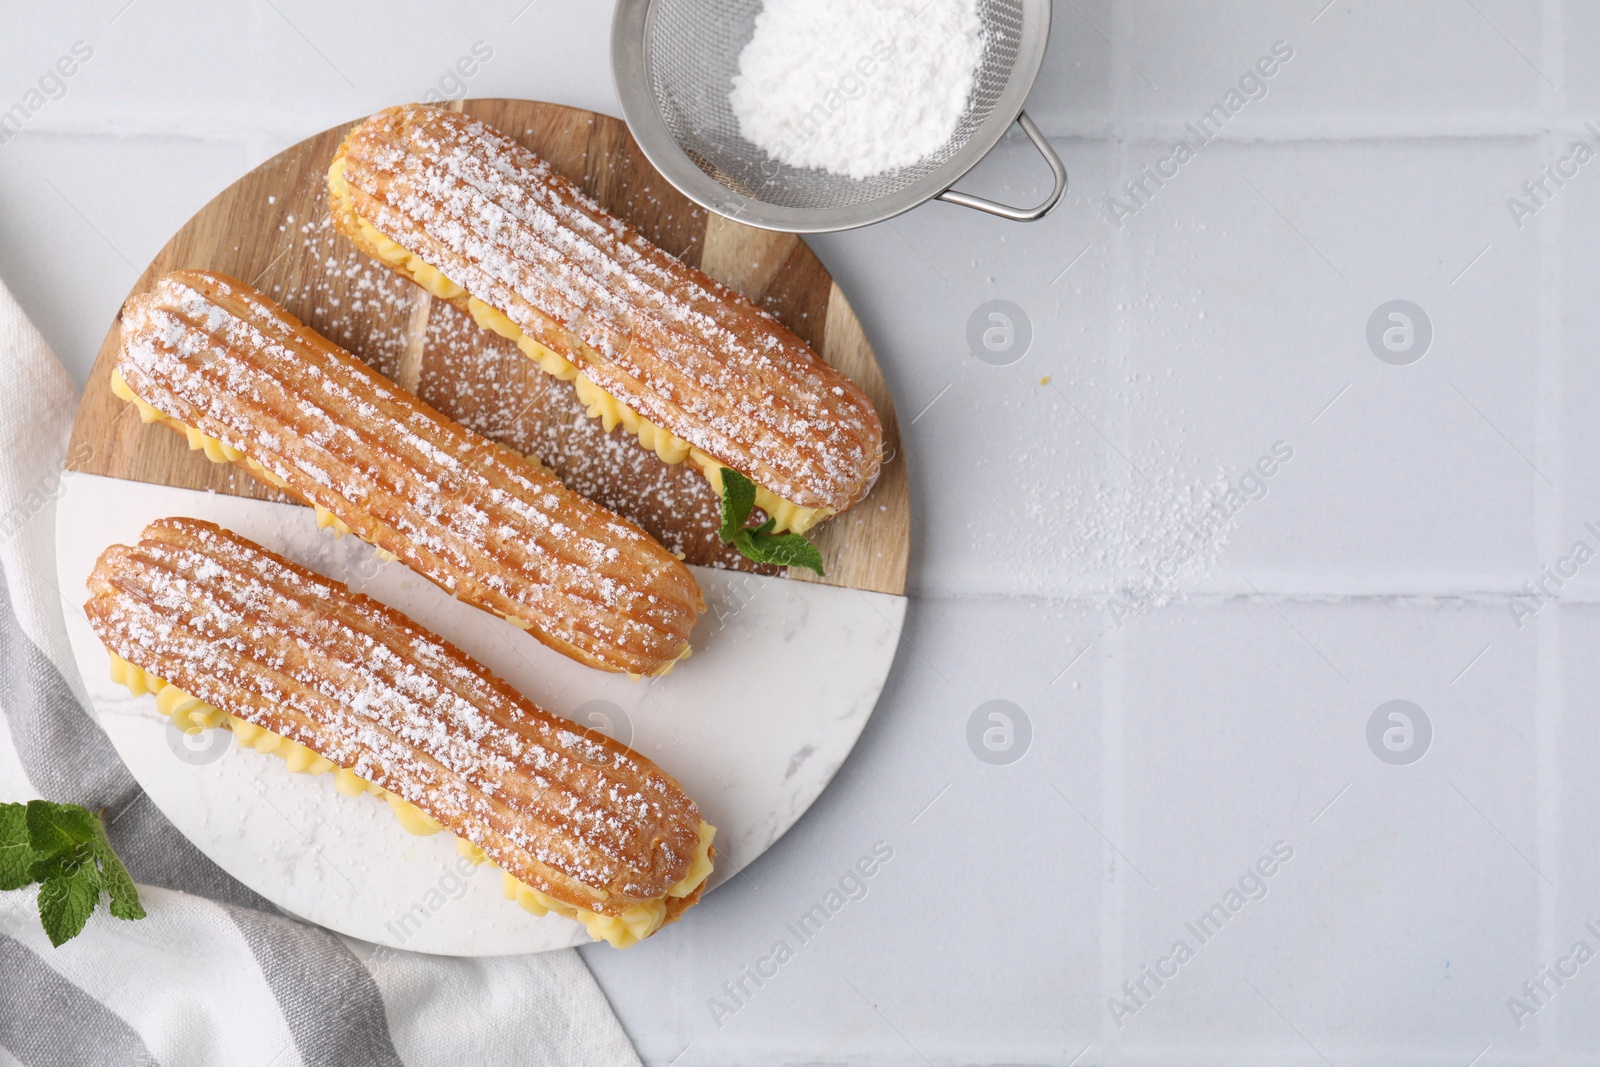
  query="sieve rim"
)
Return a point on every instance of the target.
[{"x": 630, "y": 70}]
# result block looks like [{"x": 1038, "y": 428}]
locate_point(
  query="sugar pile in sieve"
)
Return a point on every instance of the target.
[{"x": 857, "y": 87}]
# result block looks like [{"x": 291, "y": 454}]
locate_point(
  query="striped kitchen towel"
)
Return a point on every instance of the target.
[{"x": 215, "y": 973}]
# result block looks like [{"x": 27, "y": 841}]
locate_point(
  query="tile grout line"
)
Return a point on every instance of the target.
[
  {"x": 1114, "y": 904},
  {"x": 1549, "y": 508}
]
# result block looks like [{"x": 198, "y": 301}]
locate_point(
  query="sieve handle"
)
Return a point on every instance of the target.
[{"x": 1006, "y": 211}]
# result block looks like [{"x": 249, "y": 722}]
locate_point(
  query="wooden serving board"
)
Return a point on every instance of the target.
[{"x": 271, "y": 229}]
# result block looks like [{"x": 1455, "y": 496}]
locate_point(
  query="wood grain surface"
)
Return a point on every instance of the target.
[{"x": 271, "y": 229}]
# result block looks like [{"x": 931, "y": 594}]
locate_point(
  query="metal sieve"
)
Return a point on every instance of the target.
[{"x": 674, "y": 63}]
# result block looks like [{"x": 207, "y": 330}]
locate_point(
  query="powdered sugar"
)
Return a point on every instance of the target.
[{"x": 857, "y": 87}]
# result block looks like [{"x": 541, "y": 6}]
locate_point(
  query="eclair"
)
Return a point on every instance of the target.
[
  {"x": 249, "y": 384},
  {"x": 231, "y": 636},
  {"x": 695, "y": 370}
]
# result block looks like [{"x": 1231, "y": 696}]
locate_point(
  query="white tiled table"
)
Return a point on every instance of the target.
[{"x": 1174, "y": 743}]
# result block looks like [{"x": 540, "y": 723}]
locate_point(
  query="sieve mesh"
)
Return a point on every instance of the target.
[{"x": 692, "y": 54}]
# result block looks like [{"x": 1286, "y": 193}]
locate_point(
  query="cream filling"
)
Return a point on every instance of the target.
[
  {"x": 191, "y": 715},
  {"x": 635, "y": 923},
  {"x": 215, "y": 450},
  {"x": 598, "y": 403}
]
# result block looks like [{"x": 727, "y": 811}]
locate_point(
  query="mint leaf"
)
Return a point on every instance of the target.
[
  {"x": 16, "y": 855},
  {"x": 60, "y": 863},
  {"x": 63, "y": 847},
  {"x": 124, "y": 894},
  {"x": 67, "y": 899},
  {"x": 738, "y": 500},
  {"x": 784, "y": 550},
  {"x": 760, "y": 544},
  {"x": 55, "y": 829}
]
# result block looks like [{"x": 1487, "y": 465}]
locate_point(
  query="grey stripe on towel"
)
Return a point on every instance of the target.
[
  {"x": 82, "y": 1031},
  {"x": 326, "y": 994}
]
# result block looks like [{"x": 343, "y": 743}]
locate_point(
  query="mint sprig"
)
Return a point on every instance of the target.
[
  {"x": 759, "y": 543},
  {"x": 64, "y": 848}
]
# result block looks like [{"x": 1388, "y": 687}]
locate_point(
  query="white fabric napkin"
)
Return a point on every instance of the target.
[{"x": 215, "y": 973}]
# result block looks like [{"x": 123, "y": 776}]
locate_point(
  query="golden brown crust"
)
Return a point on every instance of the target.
[
  {"x": 482, "y": 522},
  {"x": 684, "y": 351},
  {"x": 573, "y": 814}
]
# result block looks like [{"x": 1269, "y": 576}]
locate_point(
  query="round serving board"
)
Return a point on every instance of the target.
[{"x": 786, "y": 668}]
